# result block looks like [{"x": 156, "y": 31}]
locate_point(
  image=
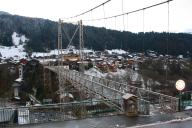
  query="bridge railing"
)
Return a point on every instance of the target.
[
  {"x": 94, "y": 86},
  {"x": 105, "y": 88},
  {"x": 164, "y": 102}
]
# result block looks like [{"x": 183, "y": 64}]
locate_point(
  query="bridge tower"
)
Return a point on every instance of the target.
[
  {"x": 60, "y": 42},
  {"x": 60, "y": 56},
  {"x": 81, "y": 46}
]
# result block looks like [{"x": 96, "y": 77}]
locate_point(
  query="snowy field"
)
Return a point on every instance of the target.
[{"x": 16, "y": 51}]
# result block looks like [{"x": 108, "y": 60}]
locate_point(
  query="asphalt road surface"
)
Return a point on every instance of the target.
[{"x": 104, "y": 122}]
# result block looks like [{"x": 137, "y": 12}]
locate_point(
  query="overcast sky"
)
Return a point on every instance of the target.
[{"x": 155, "y": 19}]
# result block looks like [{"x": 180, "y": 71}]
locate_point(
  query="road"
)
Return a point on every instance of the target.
[
  {"x": 176, "y": 120},
  {"x": 103, "y": 122},
  {"x": 169, "y": 124}
]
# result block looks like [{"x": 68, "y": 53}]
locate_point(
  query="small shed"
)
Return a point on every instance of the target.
[{"x": 130, "y": 104}]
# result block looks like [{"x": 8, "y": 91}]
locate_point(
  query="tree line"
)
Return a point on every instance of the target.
[{"x": 42, "y": 35}]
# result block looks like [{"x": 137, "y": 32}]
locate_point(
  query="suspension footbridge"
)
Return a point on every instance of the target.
[{"x": 111, "y": 90}]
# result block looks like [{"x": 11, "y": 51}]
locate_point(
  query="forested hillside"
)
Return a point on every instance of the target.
[{"x": 42, "y": 35}]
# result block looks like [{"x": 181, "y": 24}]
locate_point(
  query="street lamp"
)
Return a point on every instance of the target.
[{"x": 180, "y": 85}]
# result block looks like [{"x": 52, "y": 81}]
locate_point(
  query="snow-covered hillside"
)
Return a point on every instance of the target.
[{"x": 17, "y": 51}]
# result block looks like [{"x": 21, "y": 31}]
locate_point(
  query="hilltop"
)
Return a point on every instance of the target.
[{"x": 42, "y": 35}]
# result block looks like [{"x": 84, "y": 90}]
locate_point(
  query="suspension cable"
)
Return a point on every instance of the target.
[
  {"x": 143, "y": 21},
  {"x": 123, "y": 15},
  {"x": 88, "y": 10},
  {"x": 104, "y": 16},
  {"x": 148, "y": 7},
  {"x": 72, "y": 37},
  {"x": 143, "y": 30},
  {"x": 167, "y": 43},
  {"x": 91, "y": 14},
  {"x": 167, "y": 27},
  {"x": 127, "y": 22},
  {"x": 115, "y": 23}
]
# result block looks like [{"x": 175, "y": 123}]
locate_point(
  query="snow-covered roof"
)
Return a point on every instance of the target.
[
  {"x": 95, "y": 72},
  {"x": 17, "y": 98},
  {"x": 18, "y": 80},
  {"x": 117, "y": 51},
  {"x": 128, "y": 95},
  {"x": 180, "y": 56},
  {"x": 88, "y": 51},
  {"x": 188, "y": 107},
  {"x": 67, "y": 95}
]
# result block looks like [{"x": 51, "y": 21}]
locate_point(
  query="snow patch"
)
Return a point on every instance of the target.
[
  {"x": 17, "y": 51},
  {"x": 14, "y": 52},
  {"x": 18, "y": 39},
  {"x": 15, "y": 39},
  {"x": 95, "y": 72}
]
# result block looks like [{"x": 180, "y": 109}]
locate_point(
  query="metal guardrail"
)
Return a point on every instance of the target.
[
  {"x": 54, "y": 112},
  {"x": 113, "y": 90},
  {"x": 6, "y": 115}
]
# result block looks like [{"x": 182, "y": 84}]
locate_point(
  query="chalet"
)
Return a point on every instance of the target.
[
  {"x": 71, "y": 57},
  {"x": 151, "y": 53},
  {"x": 180, "y": 57},
  {"x": 23, "y": 61},
  {"x": 98, "y": 53}
]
